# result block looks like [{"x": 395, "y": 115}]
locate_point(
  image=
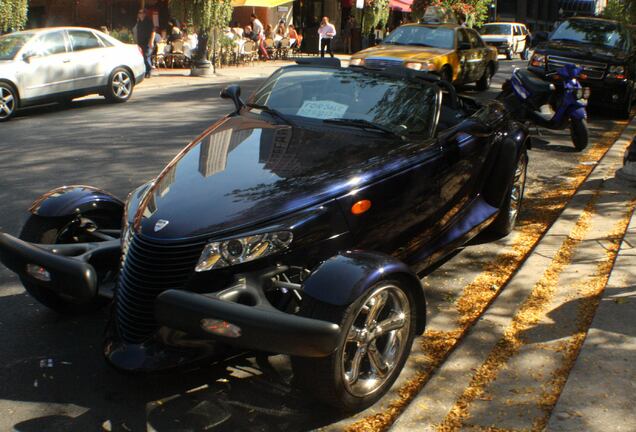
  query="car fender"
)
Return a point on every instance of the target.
[
  {"x": 76, "y": 199},
  {"x": 503, "y": 169},
  {"x": 345, "y": 277}
]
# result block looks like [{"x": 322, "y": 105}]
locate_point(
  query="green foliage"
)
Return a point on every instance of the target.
[
  {"x": 13, "y": 14},
  {"x": 122, "y": 34},
  {"x": 375, "y": 11},
  {"x": 475, "y": 12},
  {"x": 621, "y": 10}
]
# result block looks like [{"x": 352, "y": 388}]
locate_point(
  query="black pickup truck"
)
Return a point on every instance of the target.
[{"x": 606, "y": 51}]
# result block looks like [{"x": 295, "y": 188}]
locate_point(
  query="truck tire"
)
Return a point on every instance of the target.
[{"x": 368, "y": 358}]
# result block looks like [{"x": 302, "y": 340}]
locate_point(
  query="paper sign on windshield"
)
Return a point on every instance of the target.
[{"x": 322, "y": 109}]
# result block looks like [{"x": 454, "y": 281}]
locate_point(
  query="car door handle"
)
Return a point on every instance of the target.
[{"x": 66, "y": 61}]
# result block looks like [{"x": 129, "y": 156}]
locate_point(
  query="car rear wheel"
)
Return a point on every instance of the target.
[
  {"x": 65, "y": 230},
  {"x": 120, "y": 86},
  {"x": 8, "y": 101},
  {"x": 484, "y": 82},
  {"x": 446, "y": 74},
  {"x": 509, "y": 211},
  {"x": 579, "y": 133},
  {"x": 377, "y": 334}
]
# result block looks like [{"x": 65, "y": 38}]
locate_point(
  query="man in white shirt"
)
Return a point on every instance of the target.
[
  {"x": 257, "y": 25},
  {"x": 326, "y": 33}
]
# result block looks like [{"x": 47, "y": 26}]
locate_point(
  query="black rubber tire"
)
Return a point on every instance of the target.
[
  {"x": 625, "y": 111},
  {"x": 322, "y": 377},
  {"x": 45, "y": 230},
  {"x": 503, "y": 223},
  {"x": 484, "y": 82},
  {"x": 12, "y": 105},
  {"x": 109, "y": 92},
  {"x": 446, "y": 74},
  {"x": 579, "y": 134}
]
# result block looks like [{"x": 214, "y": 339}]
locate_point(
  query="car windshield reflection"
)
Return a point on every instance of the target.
[
  {"x": 11, "y": 44},
  {"x": 397, "y": 105},
  {"x": 433, "y": 36}
]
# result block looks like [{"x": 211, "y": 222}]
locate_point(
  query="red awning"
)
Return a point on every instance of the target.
[{"x": 403, "y": 5}]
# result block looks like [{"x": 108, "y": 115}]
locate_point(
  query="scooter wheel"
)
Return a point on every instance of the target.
[{"x": 579, "y": 134}]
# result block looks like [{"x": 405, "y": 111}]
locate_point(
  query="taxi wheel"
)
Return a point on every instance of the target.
[
  {"x": 446, "y": 74},
  {"x": 484, "y": 82}
]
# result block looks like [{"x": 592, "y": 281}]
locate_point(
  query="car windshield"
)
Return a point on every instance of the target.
[
  {"x": 496, "y": 29},
  {"x": 433, "y": 36},
  {"x": 350, "y": 97},
  {"x": 11, "y": 44},
  {"x": 590, "y": 32}
]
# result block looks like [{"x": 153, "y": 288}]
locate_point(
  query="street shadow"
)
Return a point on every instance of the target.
[{"x": 63, "y": 368}]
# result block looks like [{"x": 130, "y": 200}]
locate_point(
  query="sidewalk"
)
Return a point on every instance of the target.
[
  {"x": 162, "y": 78},
  {"x": 517, "y": 368}
]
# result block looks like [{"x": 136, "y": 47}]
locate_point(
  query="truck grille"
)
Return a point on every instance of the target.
[
  {"x": 381, "y": 63},
  {"x": 149, "y": 268},
  {"x": 593, "y": 70}
]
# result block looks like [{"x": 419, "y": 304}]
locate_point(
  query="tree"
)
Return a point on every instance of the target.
[
  {"x": 621, "y": 10},
  {"x": 375, "y": 11},
  {"x": 475, "y": 12},
  {"x": 13, "y": 15},
  {"x": 209, "y": 16}
]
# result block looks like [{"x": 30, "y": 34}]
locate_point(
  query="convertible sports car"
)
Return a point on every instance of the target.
[{"x": 298, "y": 224}]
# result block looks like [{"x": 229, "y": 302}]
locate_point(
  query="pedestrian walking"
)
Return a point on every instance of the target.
[
  {"x": 145, "y": 37},
  {"x": 258, "y": 28},
  {"x": 326, "y": 33},
  {"x": 346, "y": 33}
]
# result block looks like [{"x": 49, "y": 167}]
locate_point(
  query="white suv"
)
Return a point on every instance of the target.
[{"x": 508, "y": 38}]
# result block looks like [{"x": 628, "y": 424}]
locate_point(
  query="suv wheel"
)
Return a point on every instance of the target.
[
  {"x": 8, "y": 101},
  {"x": 377, "y": 334}
]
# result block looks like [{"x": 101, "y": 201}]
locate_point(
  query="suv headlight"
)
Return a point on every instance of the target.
[
  {"x": 244, "y": 249},
  {"x": 537, "y": 60},
  {"x": 617, "y": 69}
]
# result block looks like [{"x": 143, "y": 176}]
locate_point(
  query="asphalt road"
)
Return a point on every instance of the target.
[{"x": 52, "y": 375}]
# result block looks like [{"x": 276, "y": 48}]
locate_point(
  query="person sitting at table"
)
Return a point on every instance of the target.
[
  {"x": 295, "y": 38},
  {"x": 174, "y": 30},
  {"x": 269, "y": 32}
]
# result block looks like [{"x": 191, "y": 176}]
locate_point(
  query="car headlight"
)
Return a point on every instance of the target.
[
  {"x": 419, "y": 66},
  {"x": 356, "y": 62},
  {"x": 537, "y": 60},
  {"x": 617, "y": 69},
  {"x": 225, "y": 253}
]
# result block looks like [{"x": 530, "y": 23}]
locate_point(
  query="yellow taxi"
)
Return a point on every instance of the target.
[{"x": 456, "y": 53}]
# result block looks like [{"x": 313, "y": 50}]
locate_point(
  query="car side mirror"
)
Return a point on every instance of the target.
[
  {"x": 233, "y": 92},
  {"x": 539, "y": 37},
  {"x": 27, "y": 56},
  {"x": 463, "y": 46}
]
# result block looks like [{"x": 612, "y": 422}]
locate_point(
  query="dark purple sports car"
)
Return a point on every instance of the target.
[{"x": 298, "y": 224}]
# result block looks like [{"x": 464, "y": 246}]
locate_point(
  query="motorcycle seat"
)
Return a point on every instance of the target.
[{"x": 534, "y": 84}]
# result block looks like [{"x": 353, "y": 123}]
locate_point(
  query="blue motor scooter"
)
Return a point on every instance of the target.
[{"x": 524, "y": 95}]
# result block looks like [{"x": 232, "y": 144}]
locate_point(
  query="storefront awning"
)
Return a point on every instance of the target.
[
  {"x": 259, "y": 3},
  {"x": 403, "y": 5}
]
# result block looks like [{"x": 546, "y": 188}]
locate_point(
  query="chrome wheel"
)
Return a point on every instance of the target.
[
  {"x": 376, "y": 340},
  {"x": 121, "y": 84},
  {"x": 518, "y": 186},
  {"x": 7, "y": 102}
]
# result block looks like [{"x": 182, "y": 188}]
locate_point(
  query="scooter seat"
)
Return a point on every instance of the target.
[{"x": 534, "y": 84}]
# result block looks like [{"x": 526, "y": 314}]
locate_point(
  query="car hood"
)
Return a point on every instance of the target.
[
  {"x": 403, "y": 52},
  {"x": 244, "y": 171},
  {"x": 582, "y": 51}
]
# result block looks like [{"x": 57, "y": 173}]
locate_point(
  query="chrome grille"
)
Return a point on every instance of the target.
[
  {"x": 594, "y": 70},
  {"x": 373, "y": 63},
  {"x": 149, "y": 268}
]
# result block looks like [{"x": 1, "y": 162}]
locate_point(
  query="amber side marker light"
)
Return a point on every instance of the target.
[{"x": 360, "y": 207}]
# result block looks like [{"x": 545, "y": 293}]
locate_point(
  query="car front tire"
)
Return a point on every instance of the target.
[
  {"x": 377, "y": 334},
  {"x": 484, "y": 82},
  {"x": 120, "y": 86},
  {"x": 63, "y": 230},
  {"x": 8, "y": 101}
]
